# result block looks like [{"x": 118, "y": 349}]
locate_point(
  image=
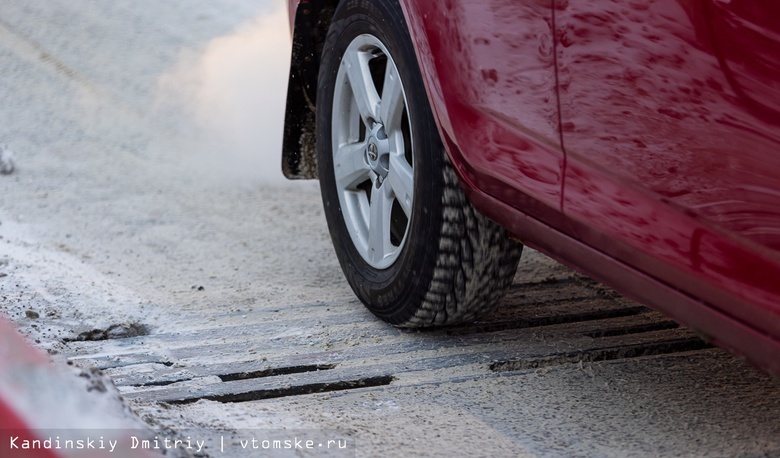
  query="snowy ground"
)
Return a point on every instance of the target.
[{"x": 147, "y": 201}]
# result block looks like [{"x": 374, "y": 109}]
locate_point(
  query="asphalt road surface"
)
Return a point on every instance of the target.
[{"x": 146, "y": 230}]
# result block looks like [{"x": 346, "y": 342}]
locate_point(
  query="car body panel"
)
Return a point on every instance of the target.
[
  {"x": 713, "y": 325},
  {"x": 675, "y": 176},
  {"x": 491, "y": 74},
  {"x": 630, "y": 140},
  {"x": 746, "y": 34}
]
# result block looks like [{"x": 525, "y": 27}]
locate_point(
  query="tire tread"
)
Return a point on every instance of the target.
[{"x": 475, "y": 266}]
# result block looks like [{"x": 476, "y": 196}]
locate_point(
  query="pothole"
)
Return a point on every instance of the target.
[{"x": 116, "y": 331}]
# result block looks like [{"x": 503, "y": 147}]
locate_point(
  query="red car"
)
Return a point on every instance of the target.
[{"x": 637, "y": 141}]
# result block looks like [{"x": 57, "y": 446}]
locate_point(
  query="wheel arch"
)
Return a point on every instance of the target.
[
  {"x": 312, "y": 19},
  {"x": 310, "y": 26}
]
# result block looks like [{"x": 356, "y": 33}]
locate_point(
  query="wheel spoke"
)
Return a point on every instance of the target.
[
  {"x": 392, "y": 105},
  {"x": 401, "y": 180},
  {"x": 366, "y": 96},
  {"x": 361, "y": 117},
  {"x": 350, "y": 166},
  {"x": 379, "y": 225}
]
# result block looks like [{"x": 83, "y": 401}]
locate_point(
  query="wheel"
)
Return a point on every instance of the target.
[{"x": 411, "y": 246}]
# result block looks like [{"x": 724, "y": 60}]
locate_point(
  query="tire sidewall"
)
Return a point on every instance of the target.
[{"x": 386, "y": 292}]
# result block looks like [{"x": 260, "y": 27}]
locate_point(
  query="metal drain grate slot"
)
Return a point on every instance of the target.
[
  {"x": 483, "y": 327},
  {"x": 162, "y": 382},
  {"x": 602, "y": 354},
  {"x": 270, "y": 372},
  {"x": 293, "y": 390},
  {"x": 636, "y": 329},
  {"x": 542, "y": 283}
]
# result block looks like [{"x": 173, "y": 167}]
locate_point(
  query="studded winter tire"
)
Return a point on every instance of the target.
[{"x": 411, "y": 246}]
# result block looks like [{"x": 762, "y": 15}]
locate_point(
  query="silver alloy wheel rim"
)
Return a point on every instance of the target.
[{"x": 373, "y": 159}]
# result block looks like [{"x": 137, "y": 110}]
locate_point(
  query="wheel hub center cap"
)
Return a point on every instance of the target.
[
  {"x": 378, "y": 151},
  {"x": 373, "y": 152}
]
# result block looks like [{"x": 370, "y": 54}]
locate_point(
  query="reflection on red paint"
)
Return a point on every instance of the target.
[
  {"x": 494, "y": 81},
  {"x": 674, "y": 154},
  {"x": 746, "y": 34}
]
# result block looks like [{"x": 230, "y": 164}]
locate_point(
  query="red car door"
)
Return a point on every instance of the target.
[
  {"x": 669, "y": 115},
  {"x": 746, "y": 36},
  {"x": 490, "y": 71}
]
